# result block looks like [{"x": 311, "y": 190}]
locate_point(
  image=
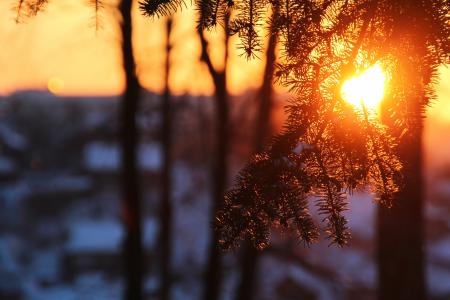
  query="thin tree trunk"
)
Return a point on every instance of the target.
[
  {"x": 250, "y": 255},
  {"x": 219, "y": 172},
  {"x": 219, "y": 168},
  {"x": 166, "y": 209},
  {"x": 132, "y": 250}
]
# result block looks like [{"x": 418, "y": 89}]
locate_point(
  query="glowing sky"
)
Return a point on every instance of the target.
[
  {"x": 60, "y": 50},
  {"x": 61, "y": 45}
]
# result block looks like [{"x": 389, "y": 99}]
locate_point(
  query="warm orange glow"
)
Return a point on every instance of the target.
[
  {"x": 366, "y": 89},
  {"x": 64, "y": 43}
]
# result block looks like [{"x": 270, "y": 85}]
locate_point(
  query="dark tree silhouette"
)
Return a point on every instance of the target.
[
  {"x": 133, "y": 254},
  {"x": 400, "y": 244},
  {"x": 166, "y": 187},
  {"x": 219, "y": 165}
]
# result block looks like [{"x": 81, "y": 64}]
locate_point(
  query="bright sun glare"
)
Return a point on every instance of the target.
[{"x": 365, "y": 89}]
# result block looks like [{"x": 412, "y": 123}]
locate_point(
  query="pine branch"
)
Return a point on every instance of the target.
[
  {"x": 258, "y": 202},
  {"x": 212, "y": 12},
  {"x": 97, "y": 5},
  {"x": 36, "y": 6},
  {"x": 340, "y": 159},
  {"x": 246, "y": 23},
  {"x": 332, "y": 203},
  {"x": 386, "y": 167},
  {"x": 19, "y": 10},
  {"x": 160, "y": 8},
  {"x": 29, "y": 8}
]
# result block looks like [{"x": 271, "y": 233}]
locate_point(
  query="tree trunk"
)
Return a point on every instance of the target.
[
  {"x": 400, "y": 232},
  {"x": 219, "y": 169},
  {"x": 132, "y": 250},
  {"x": 263, "y": 130},
  {"x": 166, "y": 186},
  {"x": 401, "y": 257}
]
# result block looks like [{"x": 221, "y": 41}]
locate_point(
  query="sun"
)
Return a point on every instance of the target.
[{"x": 365, "y": 90}]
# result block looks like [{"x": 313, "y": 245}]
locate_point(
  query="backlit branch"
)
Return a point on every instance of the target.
[
  {"x": 97, "y": 5},
  {"x": 29, "y": 8},
  {"x": 159, "y": 8}
]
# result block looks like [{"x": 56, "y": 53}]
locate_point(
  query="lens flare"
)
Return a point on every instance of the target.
[{"x": 366, "y": 89}]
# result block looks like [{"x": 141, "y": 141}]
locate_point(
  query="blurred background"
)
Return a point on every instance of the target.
[{"x": 60, "y": 213}]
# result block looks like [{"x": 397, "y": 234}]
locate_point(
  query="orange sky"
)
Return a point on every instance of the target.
[
  {"x": 61, "y": 46},
  {"x": 61, "y": 43}
]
